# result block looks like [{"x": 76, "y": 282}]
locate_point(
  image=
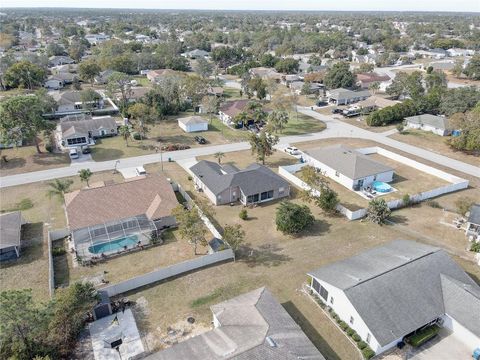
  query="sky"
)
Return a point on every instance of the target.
[{"x": 344, "y": 5}]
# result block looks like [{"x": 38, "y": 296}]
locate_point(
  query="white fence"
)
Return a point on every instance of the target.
[
  {"x": 456, "y": 183},
  {"x": 52, "y": 236},
  {"x": 168, "y": 272}
]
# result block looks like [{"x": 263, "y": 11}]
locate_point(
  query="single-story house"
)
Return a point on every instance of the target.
[
  {"x": 136, "y": 93},
  {"x": 436, "y": 124},
  {"x": 374, "y": 103},
  {"x": 53, "y": 83},
  {"x": 77, "y": 131},
  {"x": 95, "y": 39},
  {"x": 195, "y": 54},
  {"x": 305, "y": 68},
  {"x": 193, "y": 123},
  {"x": 225, "y": 184},
  {"x": 314, "y": 88},
  {"x": 473, "y": 223},
  {"x": 253, "y": 325},
  {"x": 460, "y": 52},
  {"x": 107, "y": 219},
  {"x": 344, "y": 96},
  {"x": 59, "y": 60},
  {"x": 158, "y": 75},
  {"x": 103, "y": 77},
  {"x": 364, "y": 80},
  {"x": 229, "y": 109},
  {"x": 266, "y": 73},
  {"x": 215, "y": 91},
  {"x": 70, "y": 102},
  {"x": 390, "y": 291},
  {"x": 10, "y": 235},
  {"x": 441, "y": 65},
  {"x": 348, "y": 167},
  {"x": 288, "y": 79}
]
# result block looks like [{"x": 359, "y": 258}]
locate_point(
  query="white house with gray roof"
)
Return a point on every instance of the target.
[
  {"x": 252, "y": 326},
  {"x": 390, "y": 291},
  {"x": 436, "y": 124},
  {"x": 344, "y": 96},
  {"x": 80, "y": 130},
  {"x": 473, "y": 223},
  {"x": 348, "y": 166},
  {"x": 224, "y": 184}
]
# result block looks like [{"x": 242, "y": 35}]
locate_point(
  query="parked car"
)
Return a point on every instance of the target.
[
  {"x": 322, "y": 103},
  {"x": 200, "y": 139},
  {"x": 292, "y": 150},
  {"x": 140, "y": 170},
  {"x": 74, "y": 153},
  {"x": 86, "y": 150},
  {"x": 337, "y": 111}
]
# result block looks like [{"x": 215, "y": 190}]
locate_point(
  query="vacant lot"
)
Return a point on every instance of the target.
[
  {"x": 434, "y": 143},
  {"x": 359, "y": 121},
  {"x": 25, "y": 159}
]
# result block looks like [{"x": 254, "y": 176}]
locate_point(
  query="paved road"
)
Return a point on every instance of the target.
[{"x": 335, "y": 128}]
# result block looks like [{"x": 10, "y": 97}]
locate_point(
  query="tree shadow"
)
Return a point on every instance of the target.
[
  {"x": 398, "y": 219},
  {"x": 61, "y": 271},
  {"x": 105, "y": 154},
  {"x": 320, "y": 343},
  {"x": 50, "y": 159},
  {"x": 267, "y": 255},
  {"x": 319, "y": 227},
  {"x": 12, "y": 163}
]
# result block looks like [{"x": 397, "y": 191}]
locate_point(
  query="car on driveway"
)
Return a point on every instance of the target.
[
  {"x": 200, "y": 139},
  {"x": 292, "y": 150},
  {"x": 74, "y": 153},
  {"x": 86, "y": 150}
]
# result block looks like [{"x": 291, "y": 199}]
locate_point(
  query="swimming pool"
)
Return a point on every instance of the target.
[
  {"x": 382, "y": 187},
  {"x": 114, "y": 245}
]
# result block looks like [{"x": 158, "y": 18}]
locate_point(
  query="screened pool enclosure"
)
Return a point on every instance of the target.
[{"x": 115, "y": 236}]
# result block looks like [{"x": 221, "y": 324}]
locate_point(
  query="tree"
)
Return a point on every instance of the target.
[
  {"x": 194, "y": 89},
  {"x": 436, "y": 80},
  {"x": 262, "y": 145},
  {"x": 85, "y": 175},
  {"x": 292, "y": 218},
  {"x": 469, "y": 137},
  {"x": 125, "y": 132},
  {"x": 24, "y": 74},
  {"x": 287, "y": 66},
  {"x": 143, "y": 116},
  {"x": 458, "y": 68},
  {"x": 407, "y": 85},
  {"x": 219, "y": 156},
  {"x": 90, "y": 99},
  {"x": 54, "y": 49},
  {"x": 327, "y": 200},
  {"x": 459, "y": 100},
  {"x": 59, "y": 188},
  {"x": 120, "y": 84},
  {"x": 472, "y": 70},
  {"x": 321, "y": 194},
  {"x": 374, "y": 87},
  {"x": 21, "y": 118},
  {"x": 190, "y": 226},
  {"x": 88, "y": 70},
  {"x": 339, "y": 76},
  {"x": 210, "y": 105},
  {"x": 234, "y": 236},
  {"x": 203, "y": 68},
  {"x": 277, "y": 120},
  {"x": 378, "y": 211},
  {"x": 258, "y": 86}
]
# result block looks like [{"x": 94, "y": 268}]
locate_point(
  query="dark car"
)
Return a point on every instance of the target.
[
  {"x": 200, "y": 139},
  {"x": 322, "y": 103},
  {"x": 337, "y": 111},
  {"x": 86, "y": 150}
]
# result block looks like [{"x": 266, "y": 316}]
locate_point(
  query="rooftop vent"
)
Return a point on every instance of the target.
[
  {"x": 271, "y": 342},
  {"x": 354, "y": 277}
]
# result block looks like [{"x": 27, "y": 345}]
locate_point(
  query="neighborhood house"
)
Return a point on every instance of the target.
[
  {"x": 75, "y": 131},
  {"x": 426, "y": 122},
  {"x": 108, "y": 219},
  {"x": 345, "y": 96},
  {"x": 473, "y": 223},
  {"x": 230, "y": 109},
  {"x": 251, "y": 326},
  {"x": 70, "y": 102},
  {"x": 389, "y": 292},
  {"x": 224, "y": 184},
  {"x": 10, "y": 235},
  {"x": 348, "y": 167},
  {"x": 193, "y": 123}
]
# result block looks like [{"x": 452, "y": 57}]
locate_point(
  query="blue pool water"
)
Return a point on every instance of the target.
[
  {"x": 114, "y": 245},
  {"x": 380, "y": 186}
]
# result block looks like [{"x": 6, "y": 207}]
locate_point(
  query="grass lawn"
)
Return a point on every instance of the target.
[
  {"x": 301, "y": 124},
  {"x": 359, "y": 121},
  {"x": 231, "y": 93},
  {"x": 142, "y": 81},
  {"x": 435, "y": 143},
  {"x": 25, "y": 159}
]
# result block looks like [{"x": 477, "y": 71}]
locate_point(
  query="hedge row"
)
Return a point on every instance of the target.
[{"x": 391, "y": 114}]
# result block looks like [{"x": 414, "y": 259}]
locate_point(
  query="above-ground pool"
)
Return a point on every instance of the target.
[
  {"x": 381, "y": 186},
  {"x": 114, "y": 245}
]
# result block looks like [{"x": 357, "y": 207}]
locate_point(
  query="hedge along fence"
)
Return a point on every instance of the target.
[
  {"x": 168, "y": 272},
  {"x": 53, "y": 235},
  {"x": 456, "y": 183}
]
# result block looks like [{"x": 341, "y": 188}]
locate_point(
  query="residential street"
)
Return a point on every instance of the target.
[{"x": 335, "y": 128}]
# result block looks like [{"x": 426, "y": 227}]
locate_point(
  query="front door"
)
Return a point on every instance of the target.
[{"x": 360, "y": 183}]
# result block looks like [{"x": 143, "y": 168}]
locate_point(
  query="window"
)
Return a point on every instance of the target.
[
  {"x": 320, "y": 289},
  {"x": 368, "y": 338},
  {"x": 351, "y": 319},
  {"x": 331, "y": 300},
  {"x": 337, "y": 173},
  {"x": 266, "y": 195},
  {"x": 252, "y": 198}
]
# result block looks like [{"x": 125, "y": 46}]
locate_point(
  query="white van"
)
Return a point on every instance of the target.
[
  {"x": 140, "y": 171},
  {"x": 74, "y": 153}
]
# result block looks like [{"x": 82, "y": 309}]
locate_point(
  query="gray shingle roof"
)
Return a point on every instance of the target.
[
  {"x": 347, "y": 94},
  {"x": 395, "y": 288},
  {"x": 474, "y": 216},
  {"x": 82, "y": 127},
  {"x": 439, "y": 122},
  {"x": 245, "y": 323},
  {"x": 192, "y": 120},
  {"x": 348, "y": 162},
  {"x": 254, "y": 179}
]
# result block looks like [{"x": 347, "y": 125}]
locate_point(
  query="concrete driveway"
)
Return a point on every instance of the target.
[{"x": 445, "y": 346}]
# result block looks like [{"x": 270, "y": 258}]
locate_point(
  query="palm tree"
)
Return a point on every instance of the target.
[
  {"x": 85, "y": 175},
  {"x": 59, "y": 188},
  {"x": 219, "y": 155},
  {"x": 242, "y": 118},
  {"x": 125, "y": 132}
]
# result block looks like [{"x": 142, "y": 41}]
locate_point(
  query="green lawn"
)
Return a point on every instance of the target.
[
  {"x": 142, "y": 81},
  {"x": 301, "y": 124},
  {"x": 231, "y": 93}
]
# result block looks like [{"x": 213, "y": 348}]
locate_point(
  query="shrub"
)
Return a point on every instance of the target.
[
  {"x": 137, "y": 136},
  {"x": 343, "y": 325},
  {"x": 49, "y": 147},
  {"x": 356, "y": 337},
  {"x": 368, "y": 353},
  {"x": 378, "y": 211},
  {"x": 475, "y": 247},
  {"x": 422, "y": 336},
  {"x": 406, "y": 200},
  {"x": 463, "y": 205},
  {"x": 350, "y": 331},
  {"x": 362, "y": 345},
  {"x": 57, "y": 251},
  {"x": 400, "y": 127},
  {"x": 293, "y": 218},
  {"x": 433, "y": 204},
  {"x": 190, "y": 178},
  {"x": 243, "y": 214}
]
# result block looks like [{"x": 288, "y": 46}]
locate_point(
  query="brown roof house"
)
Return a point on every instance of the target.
[
  {"x": 230, "y": 109},
  {"x": 109, "y": 219},
  {"x": 10, "y": 235}
]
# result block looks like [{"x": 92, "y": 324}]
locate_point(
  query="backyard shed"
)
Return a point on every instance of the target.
[
  {"x": 10, "y": 235},
  {"x": 193, "y": 124}
]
